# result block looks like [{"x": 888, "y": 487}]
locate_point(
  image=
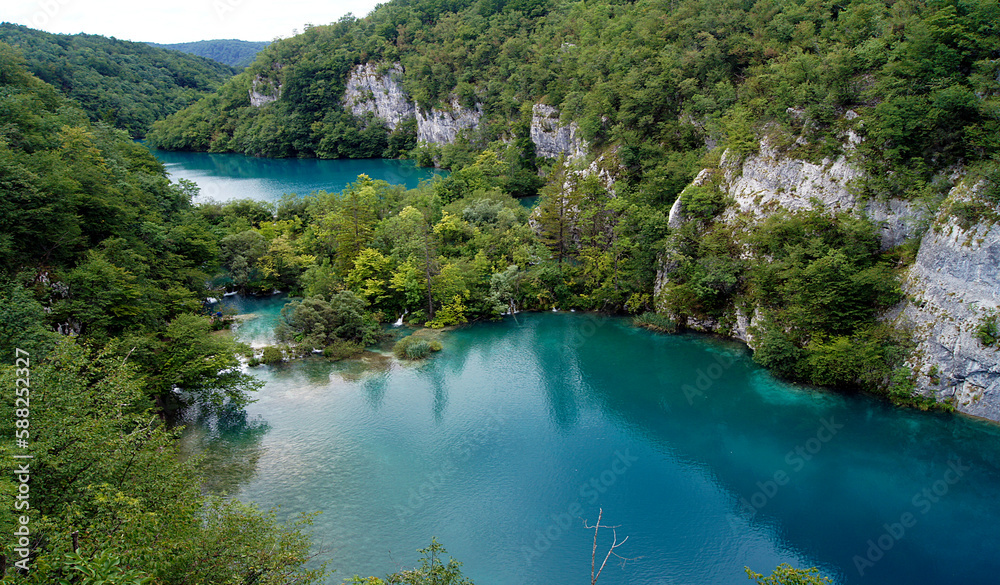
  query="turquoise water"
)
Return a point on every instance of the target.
[
  {"x": 223, "y": 177},
  {"x": 256, "y": 317},
  {"x": 504, "y": 443}
]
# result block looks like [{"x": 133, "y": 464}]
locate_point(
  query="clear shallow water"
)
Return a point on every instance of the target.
[
  {"x": 503, "y": 443},
  {"x": 223, "y": 177},
  {"x": 256, "y": 316}
]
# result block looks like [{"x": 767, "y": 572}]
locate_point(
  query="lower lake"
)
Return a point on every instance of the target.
[{"x": 506, "y": 442}]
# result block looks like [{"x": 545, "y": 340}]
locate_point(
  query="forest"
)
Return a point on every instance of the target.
[
  {"x": 106, "y": 263},
  {"x": 230, "y": 52},
  {"x": 127, "y": 85}
]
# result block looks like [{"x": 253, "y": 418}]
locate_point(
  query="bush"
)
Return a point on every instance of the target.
[
  {"x": 655, "y": 322},
  {"x": 988, "y": 332},
  {"x": 341, "y": 349},
  {"x": 414, "y": 348},
  {"x": 702, "y": 202},
  {"x": 418, "y": 350},
  {"x": 272, "y": 355}
]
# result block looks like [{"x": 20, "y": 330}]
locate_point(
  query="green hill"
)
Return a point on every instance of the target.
[
  {"x": 129, "y": 85},
  {"x": 657, "y": 79},
  {"x": 232, "y": 52}
]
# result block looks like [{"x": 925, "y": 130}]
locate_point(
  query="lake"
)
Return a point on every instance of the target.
[
  {"x": 502, "y": 445},
  {"x": 506, "y": 442},
  {"x": 223, "y": 177}
]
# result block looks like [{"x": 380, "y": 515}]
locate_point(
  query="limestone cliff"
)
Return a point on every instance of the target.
[
  {"x": 263, "y": 91},
  {"x": 768, "y": 180},
  {"x": 378, "y": 89},
  {"x": 381, "y": 93},
  {"x": 760, "y": 184},
  {"x": 442, "y": 126},
  {"x": 553, "y": 138},
  {"x": 952, "y": 287}
]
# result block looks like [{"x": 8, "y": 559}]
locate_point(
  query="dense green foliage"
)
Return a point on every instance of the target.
[
  {"x": 127, "y": 85},
  {"x": 785, "y": 574},
  {"x": 413, "y": 347},
  {"x": 98, "y": 245},
  {"x": 988, "y": 331},
  {"x": 232, "y": 52},
  {"x": 817, "y": 296},
  {"x": 432, "y": 570},
  {"x": 106, "y": 467}
]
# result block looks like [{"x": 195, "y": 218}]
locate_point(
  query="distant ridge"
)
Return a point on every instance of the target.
[
  {"x": 233, "y": 52},
  {"x": 125, "y": 84}
]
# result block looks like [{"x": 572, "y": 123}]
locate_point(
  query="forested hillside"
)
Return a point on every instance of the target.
[
  {"x": 106, "y": 264},
  {"x": 657, "y": 80},
  {"x": 96, "y": 244},
  {"x": 231, "y": 52},
  {"x": 128, "y": 85},
  {"x": 908, "y": 93}
]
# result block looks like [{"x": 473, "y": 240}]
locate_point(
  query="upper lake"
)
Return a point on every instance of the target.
[{"x": 223, "y": 177}]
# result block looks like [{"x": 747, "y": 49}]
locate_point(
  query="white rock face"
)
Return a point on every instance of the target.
[
  {"x": 381, "y": 94},
  {"x": 553, "y": 139},
  {"x": 952, "y": 286},
  {"x": 769, "y": 180},
  {"x": 677, "y": 218},
  {"x": 263, "y": 92},
  {"x": 442, "y": 126}
]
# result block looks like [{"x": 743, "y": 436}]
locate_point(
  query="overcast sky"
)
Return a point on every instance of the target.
[{"x": 178, "y": 21}]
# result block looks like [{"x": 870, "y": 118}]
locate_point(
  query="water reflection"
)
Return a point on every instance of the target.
[
  {"x": 228, "y": 446},
  {"x": 707, "y": 431}
]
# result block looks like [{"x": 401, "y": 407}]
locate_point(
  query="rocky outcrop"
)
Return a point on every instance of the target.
[
  {"x": 378, "y": 89},
  {"x": 263, "y": 91},
  {"x": 553, "y": 139},
  {"x": 442, "y": 126},
  {"x": 760, "y": 184},
  {"x": 766, "y": 181},
  {"x": 379, "y": 92},
  {"x": 951, "y": 288}
]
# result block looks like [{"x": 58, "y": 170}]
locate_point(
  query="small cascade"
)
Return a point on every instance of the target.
[{"x": 399, "y": 322}]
